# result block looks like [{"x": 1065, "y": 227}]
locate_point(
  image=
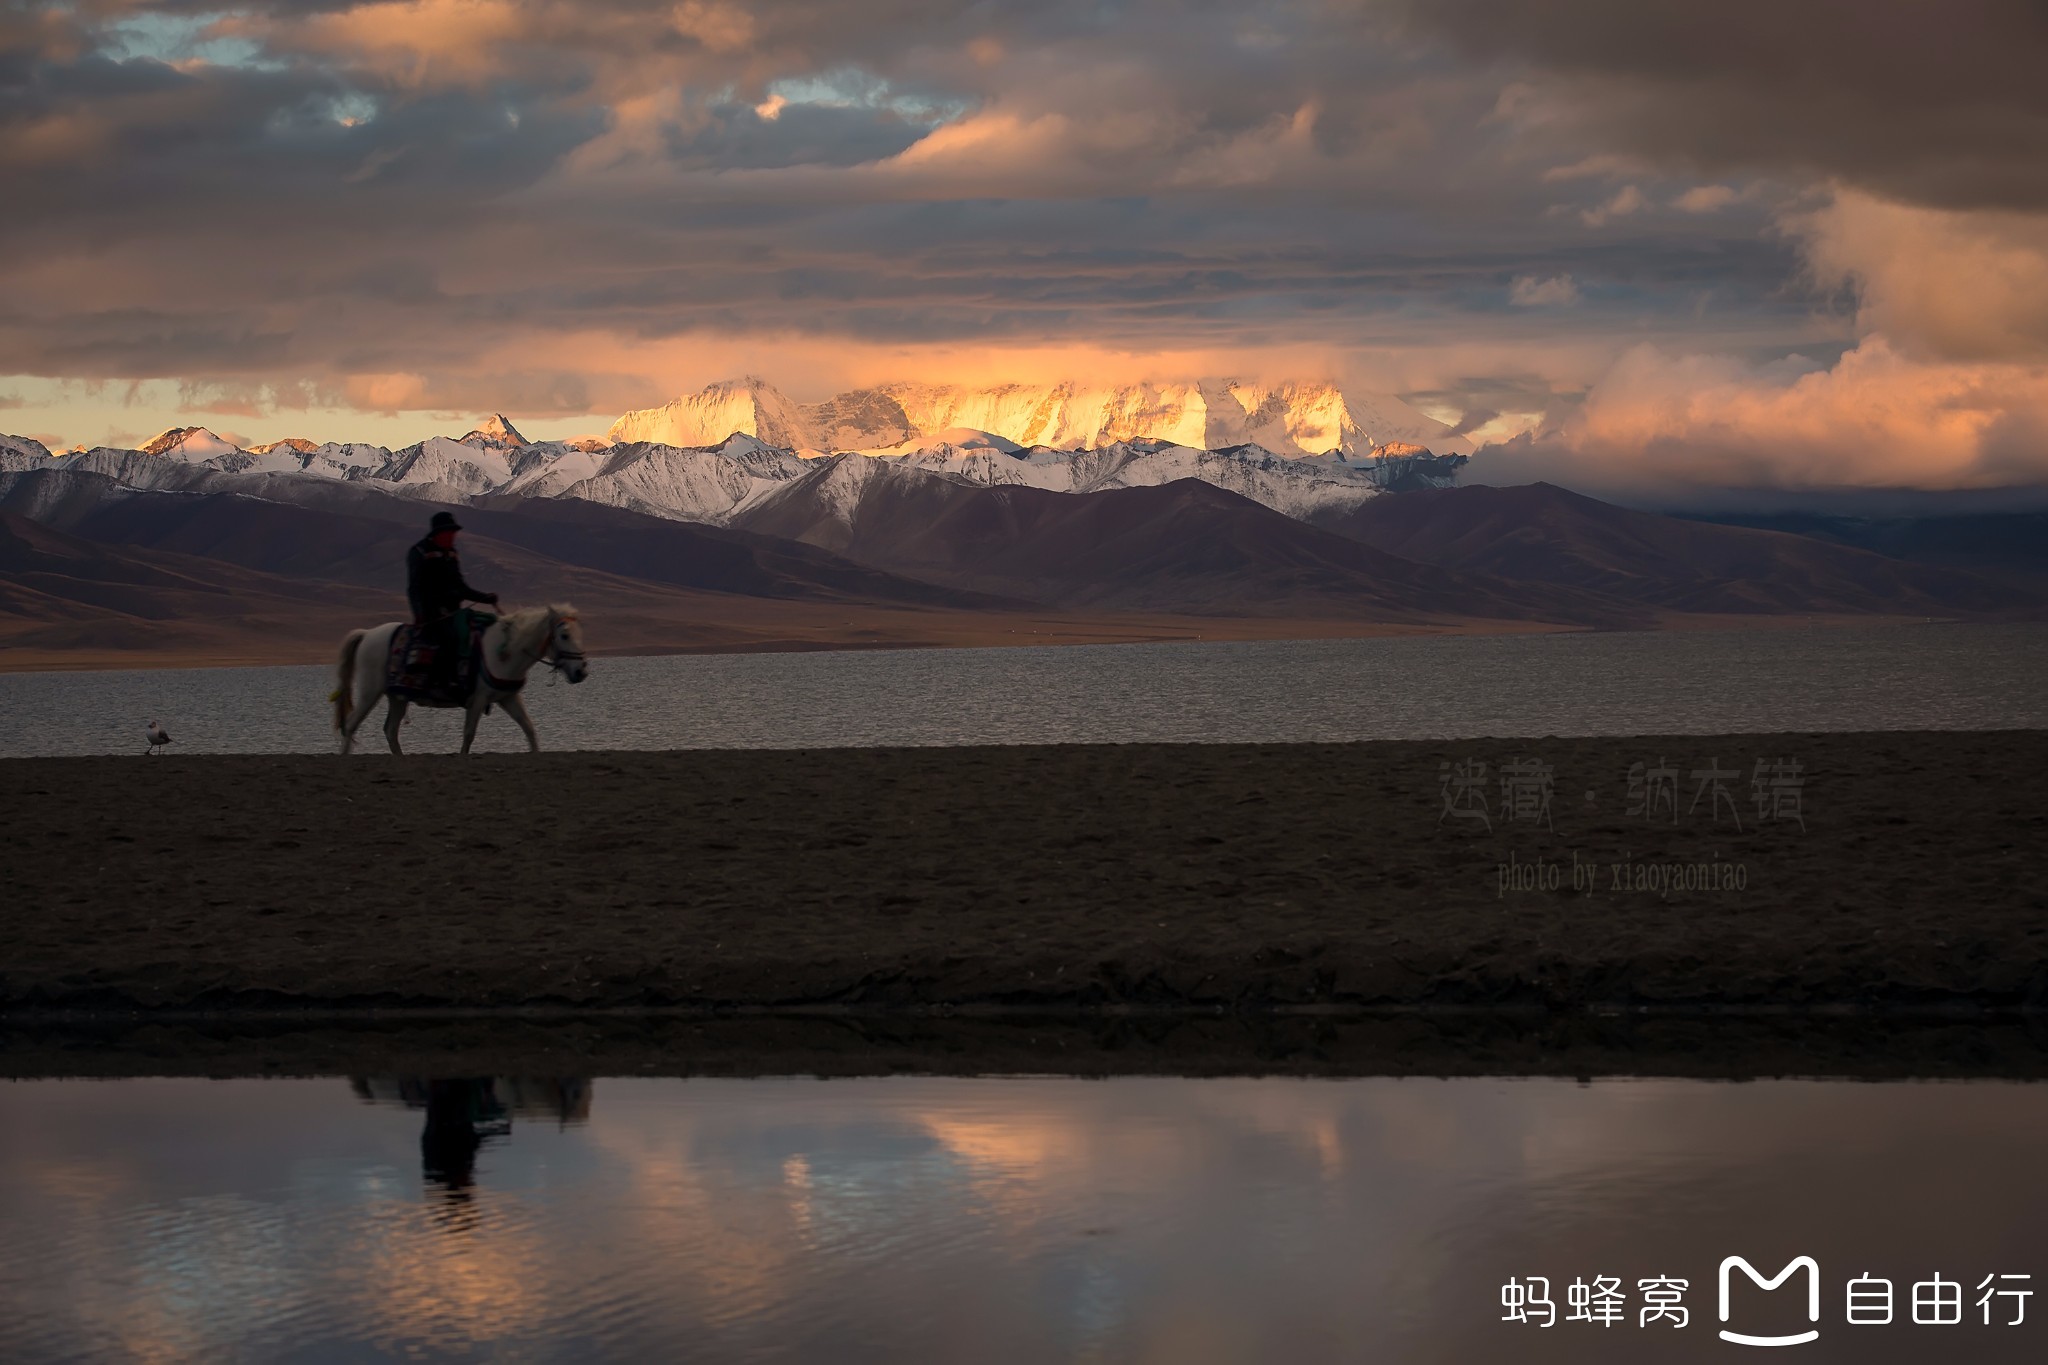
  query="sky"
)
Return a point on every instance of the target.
[{"x": 1798, "y": 245}]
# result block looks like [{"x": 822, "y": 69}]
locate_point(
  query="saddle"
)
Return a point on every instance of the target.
[{"x": 414, "y": 652}]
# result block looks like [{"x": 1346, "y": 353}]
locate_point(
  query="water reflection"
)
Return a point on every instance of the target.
[
  {"x": 987, "y": 1220},
  {"x": 463, "y": 1114}
]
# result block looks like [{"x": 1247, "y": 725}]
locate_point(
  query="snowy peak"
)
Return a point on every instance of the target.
[
  {"x": 746, "y": 407},
  {"x": 188, "y": 443},
  {"x": 1294, "y": 418},
  {"x": 298, "y": 443},
  {"x": 494, "y": 431},
  {"x": 1306, "y": 417},
  {"x": 27, "y": 447}
]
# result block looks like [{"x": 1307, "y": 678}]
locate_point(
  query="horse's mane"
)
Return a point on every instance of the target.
[
  {"x": 529, "y": 623},
  {"x": 527, "y": 617}
]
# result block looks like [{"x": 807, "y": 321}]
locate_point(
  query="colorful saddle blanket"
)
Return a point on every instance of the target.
[{"x": 413, "y": 654}]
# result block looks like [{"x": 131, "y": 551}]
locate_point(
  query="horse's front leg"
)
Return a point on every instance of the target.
[
  {"x": 394, "y": 716},
  {"x": 514, "y": 707},
  {"x": 477, "y": 701}
]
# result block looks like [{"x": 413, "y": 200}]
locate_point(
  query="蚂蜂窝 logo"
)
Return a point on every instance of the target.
[{"x": 1797, "y": 1264}]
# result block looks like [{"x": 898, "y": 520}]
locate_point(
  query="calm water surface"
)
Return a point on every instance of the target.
[
  {"x": 1897, "y": 677},
  {"x": 992, "y": 1220}
]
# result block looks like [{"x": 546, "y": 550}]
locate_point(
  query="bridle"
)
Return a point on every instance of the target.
[{"x": 552, "y": 654}]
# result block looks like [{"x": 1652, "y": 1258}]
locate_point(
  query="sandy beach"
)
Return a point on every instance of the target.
[{"x": 1193, "y": 879}]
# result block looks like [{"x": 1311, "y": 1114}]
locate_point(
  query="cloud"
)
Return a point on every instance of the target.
[
  {"x": 1898, "y": 146},
  {"x": 1705, "y": 199},
  {"x": 1679, "y": 427},
  {"x": 1556, "y": 292},
  {"x": 1932, "y": 104},
  {"x": 402, "y": 187},
  {"x": 1625, "y": 201},
  {"x": 1948, "y": 284},
  {"x": 386, "y": 393},
  {"x": 1945, "y": 388}
]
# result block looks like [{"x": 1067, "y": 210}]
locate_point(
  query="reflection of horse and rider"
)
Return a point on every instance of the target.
[
  {"x": 463, "y": 1114},
  {"x": 450, "y": 655}
]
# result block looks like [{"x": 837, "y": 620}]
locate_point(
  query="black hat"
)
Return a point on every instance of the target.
[{"x": 444, "y": 521}]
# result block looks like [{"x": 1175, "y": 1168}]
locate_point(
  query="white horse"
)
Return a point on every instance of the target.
[{"x": 513, "y": 644}]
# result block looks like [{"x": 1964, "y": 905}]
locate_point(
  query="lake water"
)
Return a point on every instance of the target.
[
  {"x": 1001, "y": 1220},
  {"x": 1894, "y": 677}
]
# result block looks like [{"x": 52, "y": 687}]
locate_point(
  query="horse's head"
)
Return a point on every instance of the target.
[{"x": 565, "y": 644}]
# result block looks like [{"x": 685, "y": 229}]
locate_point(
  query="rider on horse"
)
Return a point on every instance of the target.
[{"x": 435, "y": 587}]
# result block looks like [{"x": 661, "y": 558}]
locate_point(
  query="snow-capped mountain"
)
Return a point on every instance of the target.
[
  {"x": 496, "y": 433},
  {"x": 22, "y": 452},
  {"x": 1289, "y": 419},
  {"x": 707, "y": 484},
  {"x": 715, "y": 484},
  {"x": 188, "y": 443},
  {"x": 1297, "y": 488},
  {"x": 702, "y": 484},
  {"x": 747, "y": 407}
]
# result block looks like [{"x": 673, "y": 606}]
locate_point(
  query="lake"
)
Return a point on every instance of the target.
[
  {"x": 1011, "y": 1219},
  {"x": 1890, "y": 677}
]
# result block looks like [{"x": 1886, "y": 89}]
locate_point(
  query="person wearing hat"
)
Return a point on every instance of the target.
[{"x": 436, "y": 588}]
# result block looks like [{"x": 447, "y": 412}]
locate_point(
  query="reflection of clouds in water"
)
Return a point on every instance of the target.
[
  {"x": 777, "y": 1184},
  {"x": 1137, "y": 1219},
  {"x": 1102, "y": 1197},
  {"x": 405, "y": 1275},
  {"x": 1059, "y": 1209},
  {"x": 146, "y": 1197}
]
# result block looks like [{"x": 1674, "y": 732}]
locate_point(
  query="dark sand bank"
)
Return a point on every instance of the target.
[{"x": 1163, "y": 878}]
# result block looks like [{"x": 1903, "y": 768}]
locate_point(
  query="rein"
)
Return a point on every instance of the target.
[{"x": 549, "y": 654}]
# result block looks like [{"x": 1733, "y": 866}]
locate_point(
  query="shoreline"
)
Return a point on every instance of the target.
[{"x": 1490, "y": 1043}]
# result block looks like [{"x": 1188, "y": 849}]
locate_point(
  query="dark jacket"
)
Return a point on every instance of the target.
[{"x": 434, "y": 583}]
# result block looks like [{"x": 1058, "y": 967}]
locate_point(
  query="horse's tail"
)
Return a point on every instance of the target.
[{"x": 343, "y": 695}]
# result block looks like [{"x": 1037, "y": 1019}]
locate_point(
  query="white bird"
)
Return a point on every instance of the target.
[{"x": 158, "y": 737}]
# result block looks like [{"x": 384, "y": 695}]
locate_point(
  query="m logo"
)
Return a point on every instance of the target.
[{"x": 1805, "y": 1263}]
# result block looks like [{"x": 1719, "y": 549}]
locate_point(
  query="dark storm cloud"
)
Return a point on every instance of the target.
[
  {"x": 1936, "y": 103},
  {"x": 133, "y": 341}
]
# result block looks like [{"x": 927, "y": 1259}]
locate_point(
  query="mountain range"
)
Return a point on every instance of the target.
[
  {"x": 1295, "y": 417},
  {"x": 1180, "y": 546},
  {"x": 190, "y": 542},
  {"x": 717, "y": 481}
]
